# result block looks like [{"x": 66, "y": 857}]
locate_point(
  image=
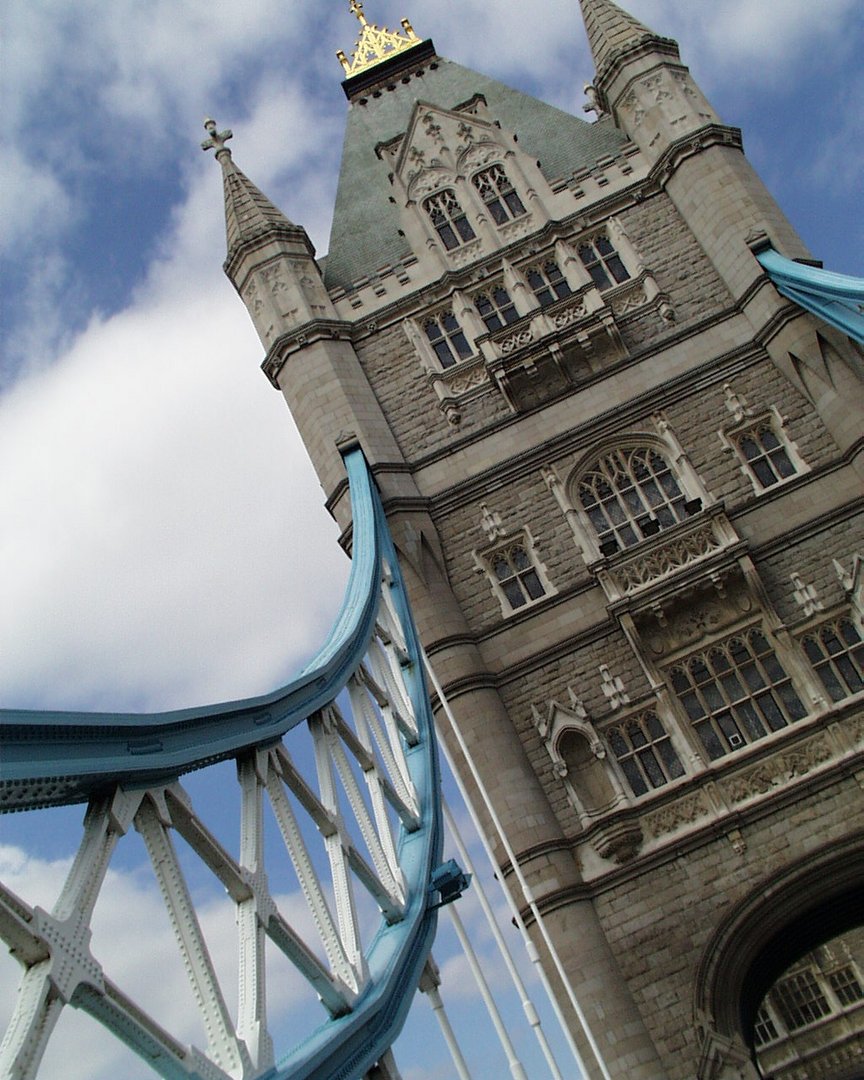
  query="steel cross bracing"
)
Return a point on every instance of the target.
[{"x": 360, "y": 819}]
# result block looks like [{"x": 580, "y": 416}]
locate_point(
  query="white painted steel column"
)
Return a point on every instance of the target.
[
  {"x": 516, "y": 1069},
  {"x": 429, "y": 984},
  {"x": 478, "y": 890}
]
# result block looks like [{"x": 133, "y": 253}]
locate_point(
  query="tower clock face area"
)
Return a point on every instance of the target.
[{"x": 582, "y": 410}]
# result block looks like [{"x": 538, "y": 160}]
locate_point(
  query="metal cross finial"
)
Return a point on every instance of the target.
[
  {"x": 217, "y": 139},
  {"x": 357, "y": 9}
]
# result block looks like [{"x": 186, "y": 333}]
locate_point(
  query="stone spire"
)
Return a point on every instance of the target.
[
  {"x": 249, "y": 214},
  {"x": 612, "y": 31}
]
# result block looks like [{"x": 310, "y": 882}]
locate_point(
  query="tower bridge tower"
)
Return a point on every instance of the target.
[{"x": 613, "y": 411}]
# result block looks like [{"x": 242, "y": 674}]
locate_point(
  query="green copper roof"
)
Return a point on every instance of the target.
[{"x": 365, "y": 233}]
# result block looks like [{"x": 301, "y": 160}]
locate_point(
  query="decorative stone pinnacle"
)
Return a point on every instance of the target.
[
  {"x": 376, "y": 43},
  {"x": 217, "y": 139}
]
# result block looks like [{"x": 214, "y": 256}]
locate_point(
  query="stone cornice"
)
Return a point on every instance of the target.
[
  {"x": 691, "y": 144},
  {"x": 288, "y": 233},
  {"x": 300, "y": 338},
  {"x": 655, "y": 45}
]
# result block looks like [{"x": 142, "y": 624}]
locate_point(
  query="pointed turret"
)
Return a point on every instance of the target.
[
  {"x": 271, "y": 261},
  {"x": 309, "y": 357},
  {"x": 641, "y": 81},
  {"x": 612, "y": 31},
  {"x": 250, "y": 217}
]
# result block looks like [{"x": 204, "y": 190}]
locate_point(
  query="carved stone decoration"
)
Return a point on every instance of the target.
[
  {"x": 780, "y": 770},
  {"x": 579, "y": 759},
  {"x": 476, "y": 155},
  {"x": 806, "y": 596},
  {"x": 572, "y": 313},
  {"x": 593, "y": 104},
  {"x": 736, "y": 404},
  {"x": 677, "y": 815},
  {"x": 704, "y": 610},
  {"x": 516, "y": 341},
  {"x": 853, "y": 584},
  {"x": 676, "y": 553},
  {"x": 490, "y": 522},
  {"x": 426, "y": 180},
  {"x": 613, "y": 688},
  {"x": 618, "y": 840}
]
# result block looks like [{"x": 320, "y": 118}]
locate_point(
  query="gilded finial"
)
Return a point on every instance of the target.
[
  {"x": 217, "y": 139},
  {"x": 375, "y": 43}
]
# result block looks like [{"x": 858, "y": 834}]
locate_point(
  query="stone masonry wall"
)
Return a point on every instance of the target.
[
  {"x": 659, "y": 921},
  {"x": 812, "y": 558},
  {"x": 698, "y": 419},
  {"x": 410, "y": 403},
  {"x": 669, "y": 250}
]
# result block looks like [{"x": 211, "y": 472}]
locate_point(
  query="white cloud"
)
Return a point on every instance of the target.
[{"x": 158, "y": 507}]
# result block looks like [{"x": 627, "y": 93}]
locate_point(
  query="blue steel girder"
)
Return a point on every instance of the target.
[
  {"x": 52, "y": 758},
  {"x": 838, "y": 299}
]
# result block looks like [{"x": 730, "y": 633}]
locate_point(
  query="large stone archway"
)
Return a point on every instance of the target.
[{"x": 782, "y": 918}]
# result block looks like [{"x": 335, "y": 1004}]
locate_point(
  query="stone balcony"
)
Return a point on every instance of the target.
[
  {"x": 702, "y": 549},
  {"x": 549, "y": 351}
]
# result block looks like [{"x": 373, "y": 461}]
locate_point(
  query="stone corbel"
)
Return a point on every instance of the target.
[{"x": 725, "y": 1058}]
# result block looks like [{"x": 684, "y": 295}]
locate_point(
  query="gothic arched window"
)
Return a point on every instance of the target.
[
  {"x": 836, "y": 652},
  {"x": 499, "y": 195},
  {"x": 496, "y": 308},
  {"x": 603, "y": 262},
  {"x": 447, "y": 338},
  {"x": 645, "y": 752},
  {"x": 448, "y": 219},
  {"x": 765, "y": 453},
  {"x": 735, "y": 693},
  {"x": 630, "y": 494},
  {"x": 516, "y": 574},
  {"x": 548, "y": 283}
]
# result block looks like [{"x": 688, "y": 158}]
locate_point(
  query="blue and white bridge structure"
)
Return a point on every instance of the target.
[
  {"x": 360, "y": 816},
  {"x": 346, "y": 756}
]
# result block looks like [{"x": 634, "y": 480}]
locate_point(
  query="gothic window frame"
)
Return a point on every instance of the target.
[
  {"x": 602, "y": 261},
  {"x": 499, "y": 312},
  {"x": 840, "y": 982},
  {"x": 498, "y": 194},
  {"x": 448, "y": 219},
  {"x": 767, "y": 1028},
  {"x": 834, "y": 648},
  {"x": 450, "y": 346},
  {"x": 547, "y": 287},
  {"x": 767, "y": 467},
  {"x": 532, "y": 577},
  {"x": 648, "y": 764},
  {"x": 733, "y": 699},
  {"x": 624, "y": 524},
  {"x": 796, "y": 1011}
]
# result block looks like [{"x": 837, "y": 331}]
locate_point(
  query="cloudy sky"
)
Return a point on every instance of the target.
[{"x": 162, "y": 537}]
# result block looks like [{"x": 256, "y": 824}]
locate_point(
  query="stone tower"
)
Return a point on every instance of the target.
[{"x": 623, "y": 472}]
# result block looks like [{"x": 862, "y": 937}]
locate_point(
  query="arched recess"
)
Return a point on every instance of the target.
[{"x": 806, "y": 904}]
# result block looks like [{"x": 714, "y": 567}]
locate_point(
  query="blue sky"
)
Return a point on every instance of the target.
[{"x": 162, "y": 537}]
